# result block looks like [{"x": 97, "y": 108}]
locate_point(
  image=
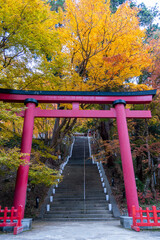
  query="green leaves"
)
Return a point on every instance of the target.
[
  {"x": 27, "y": 30},
  {"x": 39, "y": 173},
  {"x": 11, "y": 158}
]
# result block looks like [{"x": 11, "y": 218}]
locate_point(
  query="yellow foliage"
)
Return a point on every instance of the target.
[
  {"x": 11, "y": 158},
  {"x": 39, "y": 173},
  {"x": 106, "y": 48},
  {"x": 28, "y": 33},
  {"x": 93, "y": 49}
]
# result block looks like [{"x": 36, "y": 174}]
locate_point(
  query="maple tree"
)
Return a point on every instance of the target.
[
  {"x": 28, "y": 37},
  {"x": 154, "y": 77},
  {"x": 104, "y": 49}
]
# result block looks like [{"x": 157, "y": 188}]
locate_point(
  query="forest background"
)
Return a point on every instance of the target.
[{"x": 81, "y": 45}]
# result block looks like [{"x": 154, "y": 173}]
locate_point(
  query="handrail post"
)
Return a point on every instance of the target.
[
  {"x": 5, "y": 214},
  {"x": 155, "y": 214}
]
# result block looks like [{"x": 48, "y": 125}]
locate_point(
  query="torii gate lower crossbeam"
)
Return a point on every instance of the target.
[{"x": 119, "y": 100}]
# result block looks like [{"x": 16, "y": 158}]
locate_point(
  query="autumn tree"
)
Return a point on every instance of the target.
[
  {"x": 154, "y": 71},
  {"x": 28, "y": 40},
  {"x": 104, "y": 49}
]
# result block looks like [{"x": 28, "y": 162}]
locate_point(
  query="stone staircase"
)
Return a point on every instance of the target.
[{"x": 69, "y": 201}]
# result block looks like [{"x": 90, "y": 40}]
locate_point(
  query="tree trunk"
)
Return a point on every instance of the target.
[
  {"x": 139, "y": 168},
  {"x": 56, "y": 131},
  {"x": 150, "y": 165},
  {"x": 105, "y": 127},
  {"x": 68, "y": 127}
]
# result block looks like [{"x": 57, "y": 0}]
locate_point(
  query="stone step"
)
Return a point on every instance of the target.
[
  {"x": 82, "y": 215},
  {"x": 79, "y": 193},
  {"x": 78, "y": 208},
  {"x": 79, "y": 211},
  {"x": 80, "y": 169},
  {"x": 80, "y": 196},
  {"x": 89, "y": 187},
  {"x": 79, "y": 200},
  {"x": 70, "y": 191},
  {"x": 81, "y": 176},
  {"x": 80, "y": 219},
  {"x": 69, "y": 188},
  {"x": 98, "y": 186},
  {"x": 69, "y": 206}
]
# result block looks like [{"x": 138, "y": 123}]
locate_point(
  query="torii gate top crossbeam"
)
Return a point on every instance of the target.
[{"x": 142, "y": 97}]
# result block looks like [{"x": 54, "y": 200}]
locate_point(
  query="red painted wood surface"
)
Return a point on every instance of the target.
[
  {"x": 145, "y": 218},
  {"x": 12, "y": 217},
  {"x": 26, "y": 145},
  {"x": 126, "y": 157},
  {"x": 75, "y": 113},
  {"x": 81, "y": 99}
]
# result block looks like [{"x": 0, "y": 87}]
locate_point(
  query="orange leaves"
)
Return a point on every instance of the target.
[
  {"x": 108, "y": 48},
  {"x": 154, "y": 79},
  {"x": 114, "y": 59}
]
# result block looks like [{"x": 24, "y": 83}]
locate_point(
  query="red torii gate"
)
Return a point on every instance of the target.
[{"x": 118, "y": 99}]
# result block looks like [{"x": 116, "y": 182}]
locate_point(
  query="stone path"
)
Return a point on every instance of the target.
[{"x": 81, "y": 231}]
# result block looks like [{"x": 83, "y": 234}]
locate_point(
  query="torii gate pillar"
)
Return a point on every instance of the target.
[
  {"x": 126, "y": 157},
  {"x": 26, "y": 144}
]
